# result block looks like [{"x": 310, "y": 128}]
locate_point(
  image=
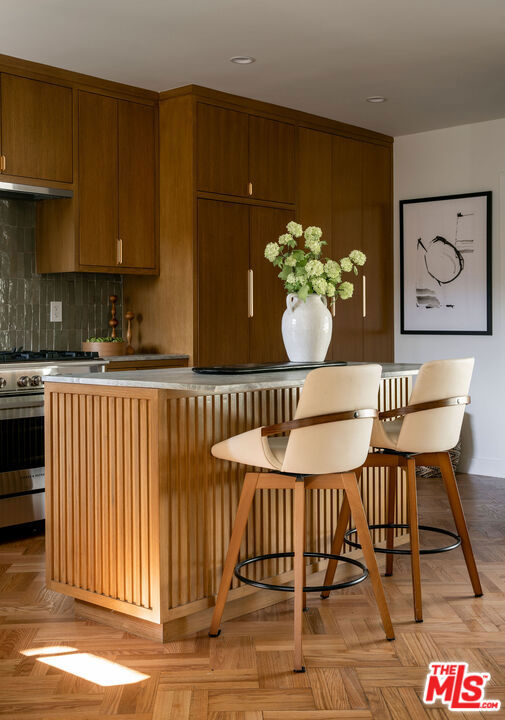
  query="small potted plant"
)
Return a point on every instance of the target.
[
  {"x": 310, "y": 280},
  {"x": 105, "y": 346}
]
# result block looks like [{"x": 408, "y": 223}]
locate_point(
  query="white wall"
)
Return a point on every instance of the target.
[{"x": 467, "y": 158}]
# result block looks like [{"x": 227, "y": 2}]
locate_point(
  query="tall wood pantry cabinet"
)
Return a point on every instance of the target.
[
  {"x": 350, "y": 198},
  {"x": 233, "y": 173}
]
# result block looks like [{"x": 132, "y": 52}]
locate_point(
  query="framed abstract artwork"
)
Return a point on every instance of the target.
[{"x": 445, "y": 265}]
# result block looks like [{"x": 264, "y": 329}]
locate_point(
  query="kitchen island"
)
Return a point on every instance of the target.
[{"x": 138, "y": 511}]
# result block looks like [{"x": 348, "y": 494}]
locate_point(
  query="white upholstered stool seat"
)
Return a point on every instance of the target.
[
  {"x": 422, "y": 433},
  {"x": 328, "y": 438},
  {"x": 250, "y": 448},
  {"x": 385, "y": 434}
]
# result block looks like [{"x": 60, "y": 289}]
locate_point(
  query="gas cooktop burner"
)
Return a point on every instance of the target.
[{"x": 19, "y": 355}]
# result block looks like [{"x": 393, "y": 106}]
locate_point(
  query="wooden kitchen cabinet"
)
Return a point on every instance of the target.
[
  {"x": 137, "y": 184},
  {"x": 36, "y": 129},
  {"x": 116, "y": 183},
  {"x": 98, "y": 180},
  {"x": 235, "y": 326},
  {"x": 111, "y": 223},
  {"x": 269, "y": 296},
  {"x": 301, "y": 167},
  {"x": 222, "y": 150},
  {"x": 245, "y": 155},
  {"x": 223, "y": 263},
  {"x": 350, "y": 199},
  {"x": 271, "y": 160}
]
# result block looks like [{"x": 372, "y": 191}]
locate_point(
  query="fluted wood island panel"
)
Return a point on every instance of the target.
[{"x": 139, "y": 513}]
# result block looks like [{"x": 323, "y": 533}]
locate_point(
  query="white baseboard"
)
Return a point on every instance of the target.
[{"x": 493, "y": 467}]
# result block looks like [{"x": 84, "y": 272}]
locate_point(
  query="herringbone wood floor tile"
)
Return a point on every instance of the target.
[{"x": 246, "y": 674}]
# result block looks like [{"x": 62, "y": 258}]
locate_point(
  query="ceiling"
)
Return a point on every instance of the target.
[{"x": 439, "y": 62}]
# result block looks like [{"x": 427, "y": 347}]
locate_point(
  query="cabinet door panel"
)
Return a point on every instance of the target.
[
  {"x": 272, "y": 159},
  {"x": 347, "y": 235},
  {"x": 315, "y": 188},
  {"x": 222, "y": 164},
  {"x": 98, "y": 180},
  {"x": 378, "y": 246},
  {"x": 137, "y": 184},
  {"x": 269, "y": 301},
  {"x": 223, "y": 261},
  {"x": 36, "y": 129}
]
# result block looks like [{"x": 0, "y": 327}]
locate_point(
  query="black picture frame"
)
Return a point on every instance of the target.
[{"x": 489, "y": 301}]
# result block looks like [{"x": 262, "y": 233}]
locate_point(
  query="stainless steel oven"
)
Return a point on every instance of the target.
[
  {"x": 21, "y": 459},
  {"x": 22, "y": 478}
]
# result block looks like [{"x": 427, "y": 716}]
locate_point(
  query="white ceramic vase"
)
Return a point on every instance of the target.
[{"x": 306, "y": 328}]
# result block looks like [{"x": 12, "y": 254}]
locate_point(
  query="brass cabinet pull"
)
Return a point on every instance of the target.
[
  {"x": 3, "y": 163},
  {"x": 364, "y": 296},
  {"x": 119, "y": 255},
  {"x": 249, "y": 188},
  {"x": 250, "y": 293}
]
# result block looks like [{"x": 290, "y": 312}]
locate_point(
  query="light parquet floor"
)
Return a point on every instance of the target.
[{"x": 246, "y": 674}]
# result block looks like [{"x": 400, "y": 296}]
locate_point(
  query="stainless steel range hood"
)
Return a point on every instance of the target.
[{"x": 32, "y": 192}]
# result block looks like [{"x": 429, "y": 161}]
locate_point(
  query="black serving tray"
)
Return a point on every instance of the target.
[{"x": 250, "y": 368}]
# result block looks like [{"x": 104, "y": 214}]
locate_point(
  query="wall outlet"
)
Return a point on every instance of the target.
[{"x": 55, "y": 312}]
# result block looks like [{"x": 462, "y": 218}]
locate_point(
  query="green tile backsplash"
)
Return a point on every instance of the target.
[{"x": 25, "y": 296}]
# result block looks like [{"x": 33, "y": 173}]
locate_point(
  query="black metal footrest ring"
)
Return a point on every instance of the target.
[
  {"x": 397, "y": 551},
  {"x": 311, "y": 588}
]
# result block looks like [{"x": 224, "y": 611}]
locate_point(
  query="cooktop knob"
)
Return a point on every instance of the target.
[
  {"x": 3, "y": 382},
  {"x": 23, "y": 381},
  {"x": 36, "y": 381}
]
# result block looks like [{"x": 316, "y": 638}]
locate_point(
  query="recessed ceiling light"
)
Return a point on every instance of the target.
[
  {"x": 242, "y": 59},
  {"x": 376, "y": 99}
]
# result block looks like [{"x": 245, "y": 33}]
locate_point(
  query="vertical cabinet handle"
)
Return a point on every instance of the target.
[
  {"x": 250, "y": 293},
  {"x": 3, "y": 163},
  {"x": 119, "y": 252},
  {"x": 249, "y": 190},
  {"x": 364, "y": 296}
]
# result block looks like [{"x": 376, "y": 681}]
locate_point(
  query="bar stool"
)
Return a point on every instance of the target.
[
  {"x": 329, "y": 437},
  {"x": 421, "y": 434}
]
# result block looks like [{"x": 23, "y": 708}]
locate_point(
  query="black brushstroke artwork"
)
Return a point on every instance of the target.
[{"x": 444, "y": 262}]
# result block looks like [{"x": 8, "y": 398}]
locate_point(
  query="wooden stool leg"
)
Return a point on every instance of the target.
[
  {"x": 451, "y": 488},
  {"x": 414, "y": 539},
  {"x": 390, "y": 533},
  {"x": 305, "y": 607},
  {"x": 338, "y": 541},
  {"x": 299, "y": 563},
  {"x": 358, "y": 513},
  {"x": 244, "y": 506}
]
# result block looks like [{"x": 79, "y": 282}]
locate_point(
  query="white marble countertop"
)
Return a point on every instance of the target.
[{"x": 184, "y": 379}]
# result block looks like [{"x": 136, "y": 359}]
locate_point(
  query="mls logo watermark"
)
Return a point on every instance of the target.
[{"x": 452, "y": 684}]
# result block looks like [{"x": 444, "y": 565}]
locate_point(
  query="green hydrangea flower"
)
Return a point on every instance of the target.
[
  {"x": 330, "y": 289},
  {"x": 284, "y": 239},
  {"x": 345, "y": 290},
  {"x": 313, "y": 245},
  {"x": 291, "y": 279},
  {"x": 313, "y": 233},
  {"x": 290, "y": 261},
  {"x": 271, "y": 251},
  {"x": 358, "y": 257},
  {"x": 314, "y": 267},
  {"x": 294, "y": 228},
  {"x": 319, "y": 285},
  {"x": 346, "y": 264},
  {"x": 332, "y": 269}
]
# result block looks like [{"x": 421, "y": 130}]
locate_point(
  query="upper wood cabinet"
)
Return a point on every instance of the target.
[
  {"x": 111, "y": 224},
  {"x": 137, "y": 184},
  {"x": 271, "y": 160},
  {"x": 36, "y": 129},
  {"x": 222, "y": 164},
  {"x": 98, "y": 180},
  {"x": 245, "y": 155}
]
